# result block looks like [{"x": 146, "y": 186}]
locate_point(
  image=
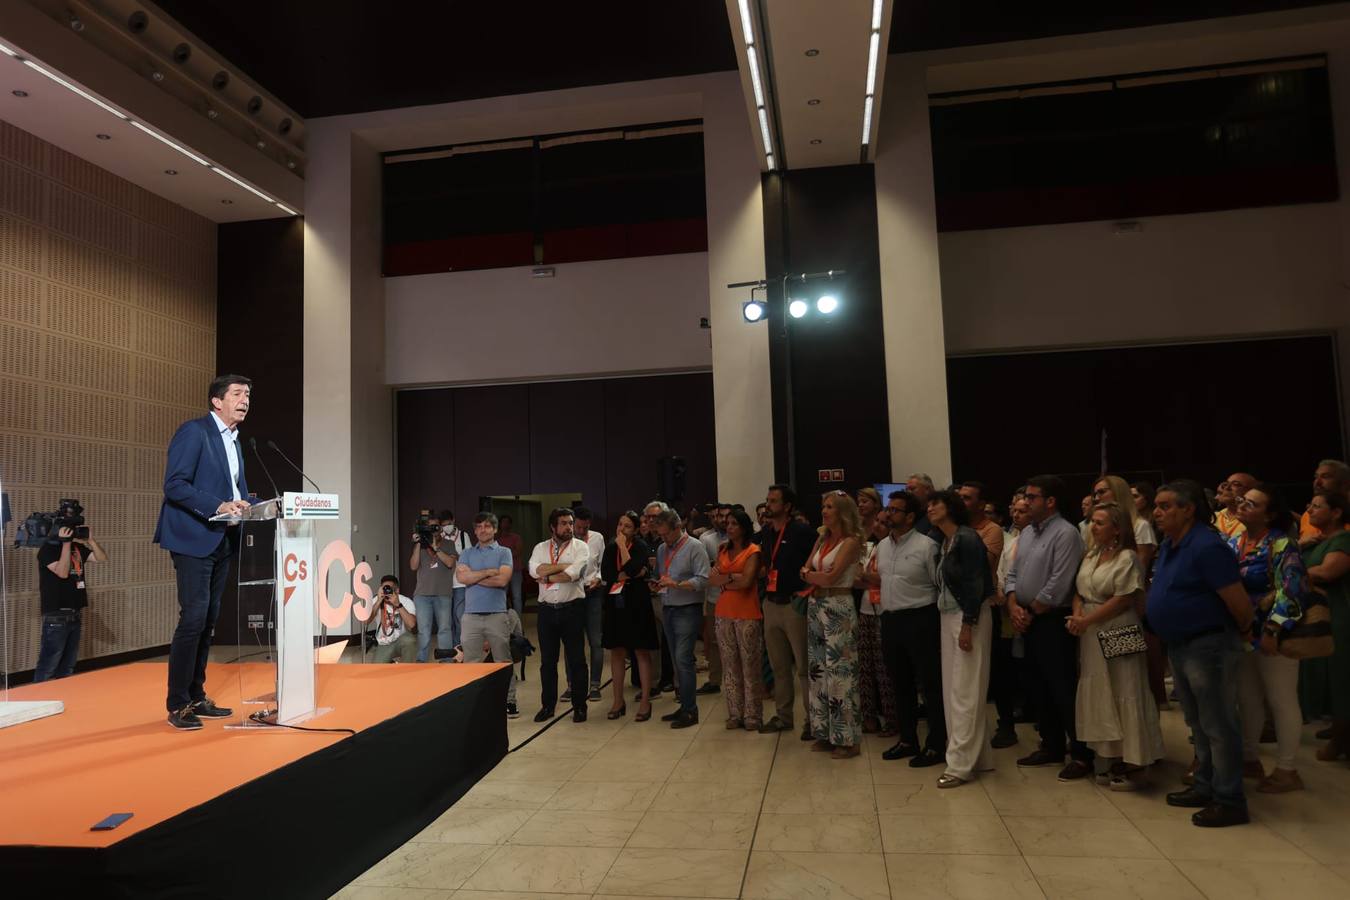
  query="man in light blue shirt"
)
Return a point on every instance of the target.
[
  {"x": 485, "y": 571},
  {"x": 680, "y": 578}
]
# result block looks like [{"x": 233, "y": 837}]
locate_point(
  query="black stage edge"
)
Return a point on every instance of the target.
[{"x": 299, "y": 831}]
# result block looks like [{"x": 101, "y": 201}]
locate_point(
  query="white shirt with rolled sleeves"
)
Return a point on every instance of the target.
[
  {"x": 595, "y": 546},
  {"x": 574, "y": 555},
  {"x": 908, "y": 570}
]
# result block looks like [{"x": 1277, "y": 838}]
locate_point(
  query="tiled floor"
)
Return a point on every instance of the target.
[{"x": 615, "y": 809}]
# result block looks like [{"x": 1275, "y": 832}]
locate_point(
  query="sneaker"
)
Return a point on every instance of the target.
[
  {"x": 1123, "y": 783},
  {"x": 1038, "y": 758},
  {"x": 1218, "y": 816},
  {"x": 1281, "y": 781},
  {"x": 1076, "y": 770},
  {"x": 512, "y": 712},
  {"x": 1006, "y": 737},
  {"x": 594, "y": 695},
  {"x": 184, "y": 719},
  {"x": 566, "y": 696},
  {"x": 709, "y": 688},
  {"x": 206, "y": 709},
  {"x": 543, "y": 715}
]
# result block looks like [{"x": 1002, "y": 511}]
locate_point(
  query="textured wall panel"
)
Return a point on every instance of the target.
[{"x": 107, "y": 344}]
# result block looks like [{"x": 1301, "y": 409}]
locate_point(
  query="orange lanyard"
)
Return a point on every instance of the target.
[
  {"x": 773, "y": 557},
  {"x": 76, "y": 561},
  {"x": 825, "y": 549},
  {"x": 554, "y": 557},
  {"x": 670, "y": 556}
]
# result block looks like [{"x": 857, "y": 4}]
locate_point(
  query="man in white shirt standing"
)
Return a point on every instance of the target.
[
  {"x": 712, "y": 541},
  {"x": 595, "y": 601},
  {"x": 907, "y": 574},
  {"x": 559, "y": 564}
]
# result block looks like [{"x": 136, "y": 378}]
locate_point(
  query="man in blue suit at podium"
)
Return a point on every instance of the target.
[{"x": 204, "y": 477}]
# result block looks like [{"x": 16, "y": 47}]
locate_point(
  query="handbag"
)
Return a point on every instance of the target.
[
  {"x": 1122, "y": 641},
  {"x": 1310, "y": 638}
]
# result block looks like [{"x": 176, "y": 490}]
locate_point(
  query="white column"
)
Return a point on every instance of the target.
[
  {"x": 911, "y": 288},
  {"x": 740, "y": 350}
]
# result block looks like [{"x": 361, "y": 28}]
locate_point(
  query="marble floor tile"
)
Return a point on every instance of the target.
[
  {"x": 815, "y": 798},
  {"x": 426, "y": 865},
  {"x": 1087, "y": 878},
  {"x": 711, "y": 770},
  {"x": 562, "y": 870},
  {"x": 375, "y": 892},
  {"x": 1342, "y": 870},
  {"x": 930, "y": 876},
  {"x": 1068, "y": 836},
  {"x": 475, "y": 826},
  {"x": 509, "y": 895},
  {"x": 1179, "y": 839},
  {"x": 557, "y": 827},
  {"x": 1327, "y": 842},
  {"x": 1243, "y": 879},
  {"x": 776, "y": 875},
  {"x": 898, "y": 771},
  {"x": 822, "y": 772},
  {"x": 1079, "y": 800},
  {"x": 632, "y": 767},
  {"x": 508, "y": 795},
  {"x": 689, "y": 796},
  {"x": 676, "y": 873},
  {"x": 1146, "y": 804},
  {"x": 605, "y": 796},
  {"x": 945, "y": 833},
  {"x": 819, "y": 833},
  {"x": 922, "y": 799},
  {"x": 694, "y": 831},
  {"x": 536, "y": 767}
]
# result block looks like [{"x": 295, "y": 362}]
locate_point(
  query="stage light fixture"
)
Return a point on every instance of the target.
[
  {"x": 827, "y": 304},
  {"x": 753, "y": 310},
  {"x": 798, "y": 308}
]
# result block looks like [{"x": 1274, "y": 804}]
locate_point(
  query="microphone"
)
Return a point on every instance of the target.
[
  {"x": 253, "y": 445},
  {"x": 273, "y": 445}
]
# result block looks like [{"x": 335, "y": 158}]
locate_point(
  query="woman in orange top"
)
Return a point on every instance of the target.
[{"x": 740, "y": 624}]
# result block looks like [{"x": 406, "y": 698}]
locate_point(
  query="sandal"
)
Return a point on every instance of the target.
[{"x": 949, "y": 781}]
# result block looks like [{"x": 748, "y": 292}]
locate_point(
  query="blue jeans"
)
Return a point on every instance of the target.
[
  {"x": 60, "y": 645},
  {"x": 1205, "y": 672},
  {"x": 433, "y": 617},
  {"x": 683, "y": 624},
  {"x": 201, "y": 582},
  {"x": 456, "y": 617}
]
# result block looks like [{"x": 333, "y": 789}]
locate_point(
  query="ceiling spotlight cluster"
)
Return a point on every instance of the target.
[
  {"x": 168, "y": 142},
  {"x": 756, "y": 309},
  {"x": 756, "y": 80}
]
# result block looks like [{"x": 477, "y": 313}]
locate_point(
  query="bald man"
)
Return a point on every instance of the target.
[{"x": 1227, "y": 496}]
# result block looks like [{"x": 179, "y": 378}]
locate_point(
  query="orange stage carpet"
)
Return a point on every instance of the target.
[{"x": 218, "y": 793}]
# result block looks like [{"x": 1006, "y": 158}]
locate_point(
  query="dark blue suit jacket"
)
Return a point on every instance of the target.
[{"x": 196, "y": 482}]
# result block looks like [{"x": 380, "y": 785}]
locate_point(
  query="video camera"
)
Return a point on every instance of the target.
[
  {"x": 40, "y": 528},
  {"x": 423, "y": 531}
]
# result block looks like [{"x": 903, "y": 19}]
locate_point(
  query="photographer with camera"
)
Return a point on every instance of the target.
[
  {"x": 61, "y": 586},
  {"x": 394, "y": 620},
  {"x": 434, "y": 561}
]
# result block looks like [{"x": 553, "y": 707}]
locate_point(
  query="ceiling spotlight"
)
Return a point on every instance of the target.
[
  {"x": 138, "y": 21},
  {"x": 76, "y": 24},
  {"x": 827, "y": 304},
  {"x": 290, "y": 164},
  {"x": 182, "y": 53},
  {"x": 157, "y": 75},
  {"x": 262, "y": 145},
  {"x": 753, "y": 310},
  {"x": 104, "y": 137},
  {"x": 170, "y": 171},
  {"x": 254, "y": 105},
  {"x": 797, "y": 308},
  {"x": 284, "y": 126},
  {"x": 213, "y": 114},
  {"x": 813, "y": 102},
  {"x": 813, "y": 52},
  {"x": 228, "y": 202},
  {"x": 19, "y": 93}
]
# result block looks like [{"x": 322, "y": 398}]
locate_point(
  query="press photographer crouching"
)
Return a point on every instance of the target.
[
  {"x": 395, "y": 620},
  {"x": 61, "y": 585}
]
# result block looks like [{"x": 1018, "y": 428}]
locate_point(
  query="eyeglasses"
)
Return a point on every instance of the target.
[{"x": 1246, "y": 502}]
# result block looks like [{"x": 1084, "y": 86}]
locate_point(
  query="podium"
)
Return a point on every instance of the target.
[{"x": 278, "y": 605}]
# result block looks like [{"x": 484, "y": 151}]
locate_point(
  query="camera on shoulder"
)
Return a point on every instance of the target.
[
  {"x": 41, "y": 528},
  {"x": 423, "y": 530}
]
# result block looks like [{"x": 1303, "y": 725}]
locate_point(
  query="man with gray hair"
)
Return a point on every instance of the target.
[
  {"x": 1333, "y": 477},
  {"x": 665, "y": 684},
  {"x": 921, "y": 486}
]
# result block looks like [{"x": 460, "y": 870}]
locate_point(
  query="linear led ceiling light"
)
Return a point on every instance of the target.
[
  {"x": 756, "y": 79},
  {"x": 83, "y": 93},
  {"x": 163, "y": 140},
  {"x": 873, "y": 52}
]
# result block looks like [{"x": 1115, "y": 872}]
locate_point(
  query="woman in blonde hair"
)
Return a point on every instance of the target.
[
  {"x": 1114, "y": 711},
  {"x": 831, "y": 628}
]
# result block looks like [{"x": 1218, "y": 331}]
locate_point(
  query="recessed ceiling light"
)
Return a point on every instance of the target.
[
  {"x": 104, "y": 137},
  {"x": 19, "y": 93},
  {"x": 815, "y": 140},
  {"x": 170, "y": 171},
  {"x": 157, "y": 75},
  {"x": 262, "y": 145},
  {"x": 813, "y": 52},
  {"x": 813, "y": 102},
  {"x": 227, "y": 202}
]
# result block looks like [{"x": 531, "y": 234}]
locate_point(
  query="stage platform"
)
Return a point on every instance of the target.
[{"x": 222, "y": 813}]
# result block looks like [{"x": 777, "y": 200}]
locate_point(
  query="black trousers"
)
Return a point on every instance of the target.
[
  {"x": 201, "y": 583},
  {"x": 562, "y": 627},
  {"x": 909, "y": 644},
  {"x": 1003, "y": 684},
  {"x": 1052, "y": 657}
]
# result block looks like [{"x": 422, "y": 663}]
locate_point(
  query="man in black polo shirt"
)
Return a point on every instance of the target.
[
  {"x": 61, "y": 587},
  {"x": 784, "y": 545}
]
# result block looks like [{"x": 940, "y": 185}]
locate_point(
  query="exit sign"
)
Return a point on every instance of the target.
[{"x": 829, "y": 476}]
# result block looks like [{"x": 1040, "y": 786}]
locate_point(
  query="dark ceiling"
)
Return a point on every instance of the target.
[{"x": 381, "y": 55}]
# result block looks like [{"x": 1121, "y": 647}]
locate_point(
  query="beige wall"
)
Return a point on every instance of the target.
[{"x": 107, "y": 343}]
